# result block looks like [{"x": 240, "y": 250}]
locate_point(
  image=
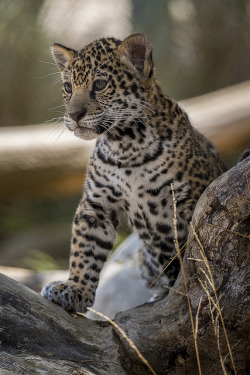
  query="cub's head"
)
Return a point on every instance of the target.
[{"x": 105, "y": 84}]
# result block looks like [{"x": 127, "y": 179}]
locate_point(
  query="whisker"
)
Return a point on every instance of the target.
[
  {"x": 47, "y": 62},
  {"x": 55, "y": 129},
  {"x": 58, "y": 106},
  {"x": 55, "y": 119},
  {"x": 51, "y": 74},
  {"x": 55, "y": 82}
]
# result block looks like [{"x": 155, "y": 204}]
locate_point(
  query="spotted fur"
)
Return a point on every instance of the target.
[{"x": 144, "y": 144}]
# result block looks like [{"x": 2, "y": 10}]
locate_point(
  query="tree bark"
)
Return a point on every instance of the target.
[{"x": 37, "y": 336}]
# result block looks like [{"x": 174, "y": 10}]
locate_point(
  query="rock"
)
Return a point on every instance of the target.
[{"x": 121, "y": 287}]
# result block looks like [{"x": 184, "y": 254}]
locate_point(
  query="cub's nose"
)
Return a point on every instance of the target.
[{"x": 77, "y": 116}]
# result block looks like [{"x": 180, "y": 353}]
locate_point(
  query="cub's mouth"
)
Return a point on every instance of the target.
[
  {"x": 84, "y": 129},
  {"x": 85, "y": 133}
]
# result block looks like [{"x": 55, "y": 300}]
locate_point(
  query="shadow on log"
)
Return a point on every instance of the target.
[{"x": 38, "y": 337}]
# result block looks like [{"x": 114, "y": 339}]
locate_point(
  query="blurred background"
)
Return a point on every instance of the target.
[{"x": 199, "y": 46}]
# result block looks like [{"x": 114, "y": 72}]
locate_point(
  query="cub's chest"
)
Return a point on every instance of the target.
[
  {"x": 139, "y": 191},
  {"x": 142, "y": 197}
]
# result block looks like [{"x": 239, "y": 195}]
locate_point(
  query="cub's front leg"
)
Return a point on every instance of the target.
[{"x": 94, "y": 231}]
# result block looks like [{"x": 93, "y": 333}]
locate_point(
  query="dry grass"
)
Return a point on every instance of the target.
[
  {"x": 181, "y": 250},
  {"x": 197, "y": 321},
  {"x": 229, "y": 230},
  {"x": 245, "y": 170},
  {"x": 130, "y": 342},
  {"x": 194, "y": 330},
  {"x": 215, "y": 309}
]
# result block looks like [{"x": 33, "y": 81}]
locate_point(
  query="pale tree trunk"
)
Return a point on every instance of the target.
[
  {"x": 38, "y": 337},
  {"x": 37, "y": 162}
]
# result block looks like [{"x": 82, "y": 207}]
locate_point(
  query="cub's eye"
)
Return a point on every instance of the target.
[
  {"x": 68, "y": 87},
  {"x": 100, "y": 84}
]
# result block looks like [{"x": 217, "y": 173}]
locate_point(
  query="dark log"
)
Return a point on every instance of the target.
[{"x": 39, "y": 337}]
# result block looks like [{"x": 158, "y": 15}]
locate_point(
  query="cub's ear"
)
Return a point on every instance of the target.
[
  {"x": 62, "y": 55},
  {"x": 137, "y": 50}
]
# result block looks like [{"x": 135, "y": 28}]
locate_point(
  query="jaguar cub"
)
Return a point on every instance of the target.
[{"x": 144, "y": 144}]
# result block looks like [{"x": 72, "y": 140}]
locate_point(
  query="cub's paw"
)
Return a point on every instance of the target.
[{"x": 68, "y": 295}]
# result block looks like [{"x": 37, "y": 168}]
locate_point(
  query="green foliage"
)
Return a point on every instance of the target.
[
  {"x": 39, "y": 261},
  {"x": 24, "y": 95},
  {"x": 36, "y": 234},
  {"x": 199, "y": 45},
  {"x": 19, "y": 215},
  {"x": 30, "y": 229},
  {"x": 123, "y": 230}
]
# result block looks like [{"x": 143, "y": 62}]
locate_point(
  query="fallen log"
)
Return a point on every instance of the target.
[{"x": 39, "y": 337}]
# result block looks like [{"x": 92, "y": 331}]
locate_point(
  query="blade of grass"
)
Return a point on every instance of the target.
[
  {"x": 130, "y": 342},
  {"x": 244, "y": 163},
  {"x": 229, "y": 230},
  {"x": 167, "y": 266},
  {"x": 185, "y": 282},
  {"x": 202, "y": 251},
  {"x": 197, "y": 320},
  {"x": 176, "y": 291}
]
